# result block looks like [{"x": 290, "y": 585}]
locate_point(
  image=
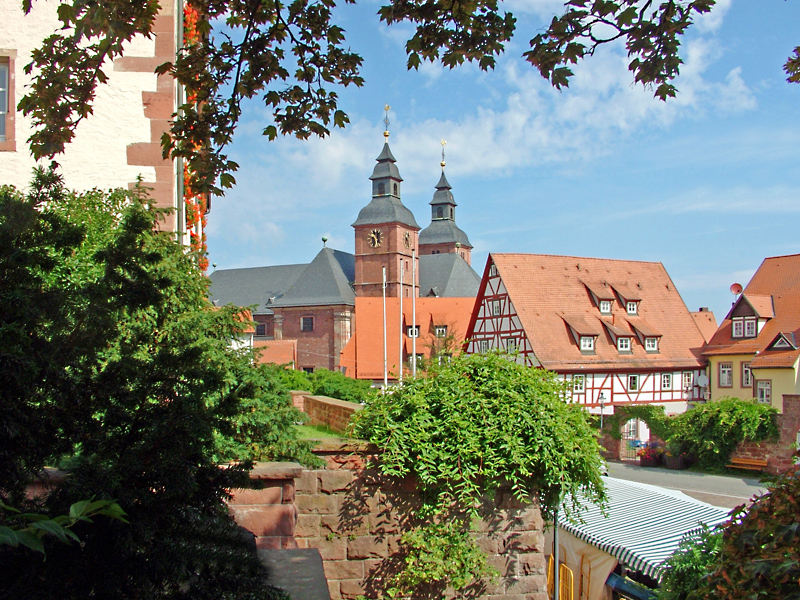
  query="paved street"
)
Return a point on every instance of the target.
[{"x": 719, "y": 490}]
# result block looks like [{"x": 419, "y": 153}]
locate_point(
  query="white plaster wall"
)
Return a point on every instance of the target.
[{"x": 97, "y": 155}]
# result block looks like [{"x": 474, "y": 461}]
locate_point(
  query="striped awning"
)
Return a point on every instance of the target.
[{"x": 645, "y": 524}]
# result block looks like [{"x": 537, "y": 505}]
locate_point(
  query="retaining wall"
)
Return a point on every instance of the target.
[{"x": 779, "y": 454}]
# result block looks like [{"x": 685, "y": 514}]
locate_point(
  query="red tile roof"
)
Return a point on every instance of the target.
[
  {"x": 279, "y": 352},
  {"x": 363, "y": 354},
  {"x": 706, "y": 323},
  {"x": 543, "y": 288},
  {"x": 773, "y": 290}
]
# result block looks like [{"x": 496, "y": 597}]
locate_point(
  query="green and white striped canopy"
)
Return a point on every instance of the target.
[{"x": 645, "y": 524}]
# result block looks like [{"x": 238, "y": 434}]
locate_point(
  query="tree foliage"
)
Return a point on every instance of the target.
[
  {"x": 115, "y": 363},
  {"x": 693, "y": 560},
  {"x": 293, "y": 56},
  {"x": 323, "y": 382}
]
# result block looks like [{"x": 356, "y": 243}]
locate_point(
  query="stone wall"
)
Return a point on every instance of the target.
[
  {"x": 779, "y": 455},
  {"x": 323, "y": 410},
  {"x": 355, "y": 517}
]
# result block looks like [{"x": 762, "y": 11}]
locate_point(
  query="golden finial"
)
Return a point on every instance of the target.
[
  {"x": 444, "y": 143},
  {"x": 386, "y": 108}
]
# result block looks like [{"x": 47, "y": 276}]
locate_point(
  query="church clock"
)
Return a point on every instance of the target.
[{"x": 375, "y": 238}]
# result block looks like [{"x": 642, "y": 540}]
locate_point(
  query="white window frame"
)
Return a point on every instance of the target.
[
  {"x": 737, "y": 329},
  {"x": 493, "y": 271},
  {"x": 495, "y": 308},
  {"x": 688, "y": 380},
  {"x": 725, "y": 375},
  {"x": 633, "y": 383},
  {"x": 511, "y": 345},
  {"x": 483, "y": 346},
  {"x": 666, "y": 381},
  {"x": 750, "y": 328},
  {"x": 605, "y": 307},
  {"x": 624, "y": 344},
  {"x": 412, "y": 331},
  {"x": 651, "y": 344},
  {"x": 764, "y": 391},
  {"x": 5, "y": 84},
  {"x": 587, "y": 343},
  {"x": 579, "y": 384},
  {"x": 631, "y": 307},
  {"x": 440, "y": 331},
  {"x": 747, "y": 375}
]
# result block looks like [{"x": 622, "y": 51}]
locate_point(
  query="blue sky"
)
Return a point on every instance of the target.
[{"x": 707, "y": 183}]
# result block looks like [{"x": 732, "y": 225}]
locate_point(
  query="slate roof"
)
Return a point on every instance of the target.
[
  {"x": 385, "y": 209},
  {"x": 326, "y": 280},
  {"x": 447, "y": 275},
  {"x": 774, "y": 293},
  {"x": 443, "y": 231},
  {"x": 252, "y": 286},
  {"x": 549, "y": 291}
]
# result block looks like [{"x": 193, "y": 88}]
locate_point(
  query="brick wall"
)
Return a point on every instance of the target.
[
  {"x": 779, "y": 455},
  {"x": 320, "y": 347},
  {"x": 354, "y": 516}
]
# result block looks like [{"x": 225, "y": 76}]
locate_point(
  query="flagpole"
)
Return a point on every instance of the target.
[
  {"x": 400, "y": 360},
  {"x": 413, "y": 311},
  {"x": 385, "y": 372}
]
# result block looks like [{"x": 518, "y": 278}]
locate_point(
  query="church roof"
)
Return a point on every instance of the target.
[
  {"x": 447, "y": 276},
  {"x": 443, "y": 195},
  {"x": 443, "y": 231},
  {"x": 386, "y": 166},
  {"x": 253, "y": 286},
  {"x": 385, "y": 209},
  {"x": 325, "y": 281}
]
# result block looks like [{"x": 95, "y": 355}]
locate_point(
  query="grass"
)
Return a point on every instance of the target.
[{"x": 318, "y": 432}]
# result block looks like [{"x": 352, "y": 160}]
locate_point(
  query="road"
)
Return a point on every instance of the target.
[{"x": 718, "y": 490}]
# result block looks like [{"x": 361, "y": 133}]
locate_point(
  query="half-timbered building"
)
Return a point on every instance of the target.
[{"x": 617, "y": 329}]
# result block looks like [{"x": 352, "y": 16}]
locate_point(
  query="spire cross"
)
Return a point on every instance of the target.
[
  {"x": 444, "y": 143},
  {"x": 386, "y": 108}
]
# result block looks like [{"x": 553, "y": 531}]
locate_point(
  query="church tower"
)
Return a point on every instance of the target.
[
  {"x": 443, "y": 236},
  {"x": 386, "y": 234}
]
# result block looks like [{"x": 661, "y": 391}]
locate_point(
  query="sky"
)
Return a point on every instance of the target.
[{"x": 707, "y": 183}]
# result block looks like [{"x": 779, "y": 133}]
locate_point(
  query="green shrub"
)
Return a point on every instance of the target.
[
  {"x": 694, "y": 559},
  {"x": 336, "y": 385}
]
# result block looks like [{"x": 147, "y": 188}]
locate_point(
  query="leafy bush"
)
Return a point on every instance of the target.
[
  {"x": 694, "y": 559},
  {"x": 467, "y": 427},
  {"x": 323, "y": 382},
  {"x": 711, "y": 431}
]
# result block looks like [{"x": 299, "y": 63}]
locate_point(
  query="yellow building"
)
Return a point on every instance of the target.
[{"x": 755, "y": 351}]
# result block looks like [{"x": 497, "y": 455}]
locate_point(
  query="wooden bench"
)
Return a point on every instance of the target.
[{"x": 754, "y": 464}]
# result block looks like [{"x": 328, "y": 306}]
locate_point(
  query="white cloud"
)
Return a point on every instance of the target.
[{"x": 711, "y": 22}]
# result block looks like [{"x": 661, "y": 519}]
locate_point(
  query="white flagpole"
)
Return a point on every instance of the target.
[
  {"x": 413, "y": 311},
  {"x": 385, "y": 372},
  {"x": 400, "y": 360}
]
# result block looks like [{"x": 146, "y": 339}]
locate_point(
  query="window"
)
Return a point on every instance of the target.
[
  {"x": 7, "y": 101},
  {"x": 381, "y": 189},
  {"x": 738, "y": 328},
  {"x": 439, "y": 213},
  {"x": 3, "y": 99},
  {"x": 632, "y": 308},
  {"x": 725, "y": 374},
  {"x": 624, "y": 344},
  {"x": 412, "y": 331},
  {"x": 308, "y": 369},
  {"x": 511, "y": 345},
  {"x": 605, "y": 306},
  {"x": 687, "y": 380},
  {"x": 395, "y": 189},
  {"x": 496, "y": 308},
  {"x": 651, "y": 344},
  {"x": 587, "y": 343},
  {"x": 440, "y": 331},
  {"x": 493, "y": 271},
  {"x": 666, "y": 381},
  {"x": 420, "y": 358},
  {"x": 578, "y": 383},
  {"x": 764, "y": 391},
  {"x": 749, "y": 328},
  {"x": 261, "y": 329},
  {"x": 307, "y": 324},
  {"x": 747, "y": 376},
  {"x": 633, "y": 383},
  {"x": 483, "y": 345}
]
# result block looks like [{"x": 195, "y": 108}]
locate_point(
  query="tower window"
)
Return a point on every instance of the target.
[
  {"x": 439, "y": 213},
  {"x": 395, "y": 189},
  {"x": 381, "y": 188}
]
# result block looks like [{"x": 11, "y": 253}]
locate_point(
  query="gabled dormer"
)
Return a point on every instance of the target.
[
  {"x": 585, "y": 333},
  {"x": 783, "y": 341},
  {"x": 648, "y": 336},
  {"x": 629, "y": 298},
  {"x": 622, "y": 338},
  {"x": 602, "y": 296},
  {"x": 749, "y": 314}
]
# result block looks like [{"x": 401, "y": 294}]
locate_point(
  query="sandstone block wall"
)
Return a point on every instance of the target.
[
  {"x": 355, "y": 517},
  {"x": 331, "y": 412},
  {"x": 779, "y": 455}
]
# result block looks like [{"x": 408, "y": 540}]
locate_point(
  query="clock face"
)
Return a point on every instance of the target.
[
  {"x": 407, "y": 239},
  {"x": 375, "y": 238}
]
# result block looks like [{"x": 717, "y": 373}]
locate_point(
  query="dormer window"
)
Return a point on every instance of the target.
[
  {"x": 738, "y": 328},
  {"x": 651, "y": 344},
  {"x": 749, "y": 328},
  {"x": 440, "y": 331},
  {"x": 605, "y": 307},
  {"x": 587, "y": 343},
  {"x": 412, "y": 332},
  {"x": 632, "y": 307},
  {"x": 624, "y": 344}
]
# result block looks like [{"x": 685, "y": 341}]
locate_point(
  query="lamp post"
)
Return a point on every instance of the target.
[{"x": 602, "y": 409}]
